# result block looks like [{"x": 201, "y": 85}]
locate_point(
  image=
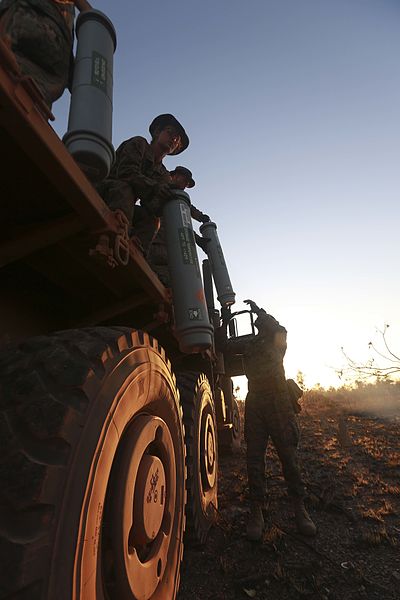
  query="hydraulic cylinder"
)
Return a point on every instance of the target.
[
  {"x": 208, "y": 281},
  {"x": 193, "y": 329},
  {"x": 208, "y": 285},
  {"x": 89, "y": 135}
]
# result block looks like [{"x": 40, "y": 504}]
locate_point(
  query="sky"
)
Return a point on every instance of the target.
[{"x": 293, "y": 112}]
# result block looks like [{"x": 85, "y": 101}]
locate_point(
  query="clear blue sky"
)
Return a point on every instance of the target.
[{"x": 293, "y": 112}]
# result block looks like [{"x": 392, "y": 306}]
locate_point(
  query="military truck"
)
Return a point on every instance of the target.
[{"x": 109, "y": 432}]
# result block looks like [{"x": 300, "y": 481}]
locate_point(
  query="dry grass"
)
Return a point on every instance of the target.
[{"x": 351, "y": 465}]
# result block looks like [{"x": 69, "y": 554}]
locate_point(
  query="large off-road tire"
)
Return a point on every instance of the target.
[
  {"x": 230, "y": 436},
  {"x": 201, "y": 454},
  {"x": 236, "y": 427},
  {"x": 92, "y": 469}
]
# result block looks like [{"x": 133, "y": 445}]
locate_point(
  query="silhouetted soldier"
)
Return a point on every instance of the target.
[
  {"x": 40, "y": 33},
  {"x": 269, "y": 412}
]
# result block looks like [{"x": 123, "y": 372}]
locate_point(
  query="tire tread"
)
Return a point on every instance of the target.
[
  {"x": 189, "y": 383},
  {"x": 45, "y": 388}
]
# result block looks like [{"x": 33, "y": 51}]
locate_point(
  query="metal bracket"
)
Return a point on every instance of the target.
[{"x": 113, "y": 248}]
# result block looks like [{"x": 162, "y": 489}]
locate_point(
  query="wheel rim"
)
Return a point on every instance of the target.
[
  {"x": 208, "y": 458},
  {"x": 201, "y": 454},
  {"x": 142, "y": 510}
]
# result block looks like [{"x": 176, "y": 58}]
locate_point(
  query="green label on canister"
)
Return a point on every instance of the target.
[
  {"x": 188, "y": 247},
  {"x": 99, "y": 71}
]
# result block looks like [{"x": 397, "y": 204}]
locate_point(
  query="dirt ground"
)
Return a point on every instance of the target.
[{"x": 351, "y": 465}]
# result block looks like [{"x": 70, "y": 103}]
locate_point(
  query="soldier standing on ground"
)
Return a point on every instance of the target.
[
  {"x": 139, "y": 173},
  {"x": 40, "y": 34},
  {"x": 269, "y": 412}
]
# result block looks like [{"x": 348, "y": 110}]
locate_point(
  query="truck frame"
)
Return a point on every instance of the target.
[{"x": 109, "y": 434}]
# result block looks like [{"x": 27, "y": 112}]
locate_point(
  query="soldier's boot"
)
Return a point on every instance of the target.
[
  {"x": 304, "y": 523},
  {"x": 255, "y": 524}
]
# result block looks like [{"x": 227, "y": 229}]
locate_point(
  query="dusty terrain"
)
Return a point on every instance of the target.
[{"x": 351, "y": 463}]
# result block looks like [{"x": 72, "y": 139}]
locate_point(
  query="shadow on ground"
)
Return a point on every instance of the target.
[{"x": 351, "y": 464}]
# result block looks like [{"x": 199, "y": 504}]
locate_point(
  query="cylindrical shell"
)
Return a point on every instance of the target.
[
  {"x": 226, "y": 295},
  {"x": 192, "y": 325},
  {"x": 89, "y": 135}
]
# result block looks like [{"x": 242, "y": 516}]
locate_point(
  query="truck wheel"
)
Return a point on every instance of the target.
[
  {"x": 92, "y": 468},
  {"x": 236, "y": 427},
  {"x": 230, "y": 436},
  {"x": 201, "y": 454}
]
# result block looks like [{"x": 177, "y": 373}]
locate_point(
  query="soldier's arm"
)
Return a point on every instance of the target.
[
  {"x": 201, "y": 241},
  {"x": 198, "y": 215},
  {"x": 254, "y": 307}
]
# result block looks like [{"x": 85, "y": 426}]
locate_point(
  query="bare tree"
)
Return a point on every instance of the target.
[
  {"x": 382, "y": 364},
  {"x": 300, "y": 379}
]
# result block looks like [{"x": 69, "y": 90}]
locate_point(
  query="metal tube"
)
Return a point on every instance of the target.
[
  {"x": 193, "y": 329},
  {"x": 89, "y": 135},
  {"x": 226, "y": 295},
  {"x": 208, "y": 285}
]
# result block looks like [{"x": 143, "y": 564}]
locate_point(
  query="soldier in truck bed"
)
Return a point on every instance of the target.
[
  {"x": 270, "y": 412},
  {"x": 139, "y": 173},
  {"x": 181, "y": 178},
  {"x": 40, "y": 34}
]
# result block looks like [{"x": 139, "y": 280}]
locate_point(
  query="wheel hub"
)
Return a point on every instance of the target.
[
  {"x": 209, "y": 451},
  {"x": 149, "y": 502},
  {"x": 210, "y": 445},
  {"x": 143, "y": 507}
]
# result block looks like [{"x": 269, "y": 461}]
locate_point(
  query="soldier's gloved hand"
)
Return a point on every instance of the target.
[
  {"x": 201, "y": 241},
  {"x": 198, "y": 215},
  {"x": 253, "y": 306}
]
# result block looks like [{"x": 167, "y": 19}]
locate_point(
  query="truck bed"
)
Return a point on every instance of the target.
[{"x": 51, "y": 217}]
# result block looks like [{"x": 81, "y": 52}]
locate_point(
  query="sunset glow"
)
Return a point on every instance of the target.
[{"x": 294, "y": 146}]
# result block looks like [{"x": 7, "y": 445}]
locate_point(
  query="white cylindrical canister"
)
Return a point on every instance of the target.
[
  {"x": 193, "y": 329},
  {"x": 226, "y": 295},
  {"x": 89, "y": 135}
]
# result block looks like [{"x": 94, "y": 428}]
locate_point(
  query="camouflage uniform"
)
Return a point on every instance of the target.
[
  {"x": 135, "y": 175},
  {"x": 269, "y": 412},
  {"x": 157, "y": 255},
  {"x": 41, "y": 35}
]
